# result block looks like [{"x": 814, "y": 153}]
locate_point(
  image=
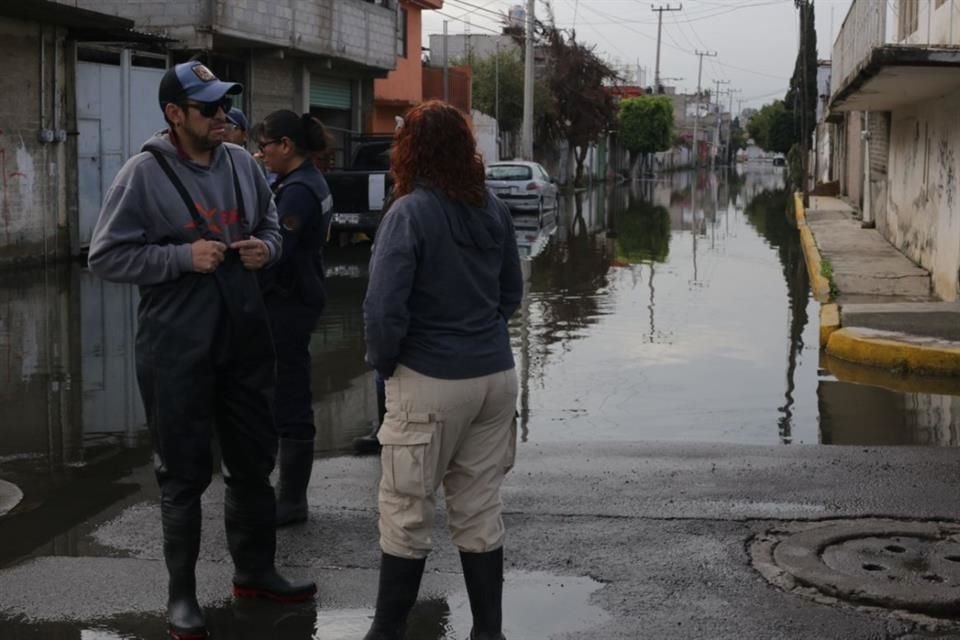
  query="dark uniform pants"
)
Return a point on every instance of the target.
[
  {"x": 205, "y": 363},
  {"x": 293, "y": 324}
]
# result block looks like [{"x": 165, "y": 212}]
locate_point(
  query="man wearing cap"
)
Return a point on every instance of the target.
[
  {"x": 236, "y": 131},
  {"x": 190, "y": 220}
]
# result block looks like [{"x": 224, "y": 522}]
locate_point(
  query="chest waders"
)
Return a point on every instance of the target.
[
  {"x": 205, "y": 365},
  {"x": 294, "y": 296}
]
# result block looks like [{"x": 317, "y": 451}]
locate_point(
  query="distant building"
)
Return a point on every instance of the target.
[
  {"x": 896, "y": 142},
  {"x": 403, "y": 87},
  {"x": 320, "y": 56},
  {"x": 462, "y": 48}
]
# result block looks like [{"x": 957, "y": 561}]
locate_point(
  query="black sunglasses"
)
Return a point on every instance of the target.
[{"x": 209, "y": 109}]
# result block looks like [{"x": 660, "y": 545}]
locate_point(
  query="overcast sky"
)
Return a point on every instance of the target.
[{"x": 755, "y": 40}]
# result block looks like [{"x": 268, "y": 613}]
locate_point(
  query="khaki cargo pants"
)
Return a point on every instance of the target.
[{"x": 458, "y": 433}]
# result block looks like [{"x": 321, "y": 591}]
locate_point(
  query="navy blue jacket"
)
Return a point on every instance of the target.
[
  {"x": 444, "y": 280},
  {"x": 304, "y": 208}
]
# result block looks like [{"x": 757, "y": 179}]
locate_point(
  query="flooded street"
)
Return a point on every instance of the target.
[{"x": 675, "y": 310}]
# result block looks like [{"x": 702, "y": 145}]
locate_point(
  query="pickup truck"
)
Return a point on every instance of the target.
[{"x": 361, "y": 190}]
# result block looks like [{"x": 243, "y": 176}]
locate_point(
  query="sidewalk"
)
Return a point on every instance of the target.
[{"x": 878, "y": 309}]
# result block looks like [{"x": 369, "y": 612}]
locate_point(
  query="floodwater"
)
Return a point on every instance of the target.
[{"x": 675, "y": 310}]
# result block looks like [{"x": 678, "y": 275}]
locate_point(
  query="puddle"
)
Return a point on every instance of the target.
[{"x": 537, "y": 606}]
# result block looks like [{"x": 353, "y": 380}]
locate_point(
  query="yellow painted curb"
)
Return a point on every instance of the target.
[
  {"x": 818, "y": 283},
  {"x": 859, "y": 374},
  {"x": 829, "y": 322},
  {"x": 853, "y": 346}
]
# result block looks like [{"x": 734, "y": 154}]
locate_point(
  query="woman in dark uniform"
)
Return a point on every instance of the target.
[{"x": 293, "y": 291}]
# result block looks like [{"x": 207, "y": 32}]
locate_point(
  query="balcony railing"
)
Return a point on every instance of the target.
[{"x": 875, "y": 23}]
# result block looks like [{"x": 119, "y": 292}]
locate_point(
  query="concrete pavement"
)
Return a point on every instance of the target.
[
  {"x": 613, "y": 541},
  {"x": 878, "y": 307}
]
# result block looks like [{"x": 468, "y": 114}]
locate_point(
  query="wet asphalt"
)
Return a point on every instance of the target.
[{"x": 618, "y": 540}]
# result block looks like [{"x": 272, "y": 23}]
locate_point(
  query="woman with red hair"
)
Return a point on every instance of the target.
[{"x": 444, "y": 280}]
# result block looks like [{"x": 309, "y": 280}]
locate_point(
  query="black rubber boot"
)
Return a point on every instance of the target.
[
  {"x": 368, "y": 444},
  {"x": 396, "y": 595},
  {"x": 295, "y": 459},
  {"x": 252, "y": 539},
  {"x": 483, "y": 573},
  {"x": 181, "y": 546}
]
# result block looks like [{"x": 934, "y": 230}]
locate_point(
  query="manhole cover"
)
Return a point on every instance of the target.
[{"x": 902, "y": 565}]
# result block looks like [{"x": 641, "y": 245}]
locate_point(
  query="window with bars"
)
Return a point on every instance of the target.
[{"x": 402, "y": 33}]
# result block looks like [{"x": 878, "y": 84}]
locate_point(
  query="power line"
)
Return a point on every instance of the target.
[{"x": 453, "y": 17}]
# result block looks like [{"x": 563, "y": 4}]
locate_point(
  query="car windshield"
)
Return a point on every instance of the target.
[{"x": 509, "y": 172}]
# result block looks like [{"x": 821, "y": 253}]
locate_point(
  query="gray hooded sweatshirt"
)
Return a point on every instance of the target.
[{"x": 145, "y": 230}]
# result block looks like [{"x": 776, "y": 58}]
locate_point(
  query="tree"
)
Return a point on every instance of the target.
[
  {"x": 801, "y": 98},
  {"x": 646, "y": 126},
  {"x": 510, "y": 92},
  {"x": 772, "y": 128},
  {"x": 802, "y": 95},
  {"x": 577, "y": 78}
]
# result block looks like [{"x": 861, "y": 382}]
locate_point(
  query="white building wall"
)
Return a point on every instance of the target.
[
  {"x": 922, "y": 217},
  {"x": 485, "y": 131},
  {"x": 461, "y": 46},
  {"x": 35, "y": 176},
  {"x": 935, "y": 25}
]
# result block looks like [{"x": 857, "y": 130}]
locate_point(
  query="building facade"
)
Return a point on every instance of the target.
[
  {"x": 894, "y": 94},
  {"x": 46, "y": 156},
  {"x": 403, "y": 87},
  {"x": 320, "y": 56}
]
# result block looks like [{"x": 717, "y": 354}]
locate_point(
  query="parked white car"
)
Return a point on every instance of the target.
[{"x": 524, "y": 186}]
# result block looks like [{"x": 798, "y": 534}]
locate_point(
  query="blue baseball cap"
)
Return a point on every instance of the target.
[
  {"x": 195, "y": 81},
  {"x": 237, "y": 119}
]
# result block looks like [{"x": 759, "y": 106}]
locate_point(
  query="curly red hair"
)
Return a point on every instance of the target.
[{"x": 435, "y": 147}]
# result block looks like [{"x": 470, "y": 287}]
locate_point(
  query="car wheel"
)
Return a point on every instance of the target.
[{"x": 540, "y": 213}]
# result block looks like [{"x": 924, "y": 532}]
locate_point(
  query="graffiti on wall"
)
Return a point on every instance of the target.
[{"x": 16, "y": 182}]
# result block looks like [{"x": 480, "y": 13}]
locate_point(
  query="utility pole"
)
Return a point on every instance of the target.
[
  {"x": 496, "y": 95},
  {"x": 717, "y": 118},
  {"x": 804, "y": 16},
  {"x": 696, "y": 119},
  {"x": 446, "y": 65},
  {"x": 496, "y": 86},
  {"x": 659, "y": 11},
  {"x": 528, "y": 80},
  {"x": 730, "y": 151}
]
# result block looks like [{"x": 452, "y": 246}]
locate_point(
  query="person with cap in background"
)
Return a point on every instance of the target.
[
  {"x": 236, "y": 129},
  {"x": 191, "y": 220}
]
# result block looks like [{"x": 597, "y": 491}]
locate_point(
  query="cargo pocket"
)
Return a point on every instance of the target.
[
  {"x": 407, "y": 458},
  {"x": 510, "y": 456}
]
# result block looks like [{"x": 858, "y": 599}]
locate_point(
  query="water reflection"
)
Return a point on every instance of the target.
[{"x": 674, "y": 308}]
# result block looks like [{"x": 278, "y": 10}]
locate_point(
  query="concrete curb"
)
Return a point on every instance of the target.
[
  {"x": 818, "y": 283},
  {"x": 886, "y": 351},
  {"x": 856, "y": 373},
  {"x": 829, "y": 322}
]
